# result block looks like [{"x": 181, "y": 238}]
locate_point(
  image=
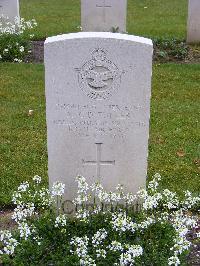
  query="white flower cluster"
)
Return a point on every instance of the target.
[
  {"x": 61, "y": 220},
  {"x": 116, "y": 246},
  {"x": 170, "y": 199},
  {"x": 96, "y": 191},
  {"x": 157, "y": 207},
  {"x": 25, "y": 230},
  {"x": 99, "y": 237},
  {"x": 151, "y": 200},
  {"x": 107, "y": 197},
  {"x": 101, "y": 253},
  {"x": 43, "y": 197},
  {"x": 13, "y": 50},
  {"x": 82, "y": 193},
  {"x": 128, "y": 257},
  {"x": 58, "y": 189},
  {"x": 8, "y": 241},
  {"x": 23, "y": 187},
  {"x": 83, "y": 215},
  {"x": 174, "y": 260},
  {"x": 18, "y": 27},
  {"x": 153, "y": 185},
  {"x": 121, "y": 222},
  {"x": 25, "y": 210},
  {"x": 81, "y": 250},
  {"x": 181, "y": 224},
  {"x": 190, "y": 201},
  {"x": 7, "y": 52},
  {"x": 81, "y": 244},
  {"x": 37, "y": 179}
]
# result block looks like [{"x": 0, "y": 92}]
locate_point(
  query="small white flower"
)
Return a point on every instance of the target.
[
  {"x": 58, "y": 189},
  {"x": 37, "y": 178},
  {"x": 25, "y": 230},
  {"x": 61, "y": 220},
  {"x": 21, "y": 49},
  {"x": 99, "y": 237},
  {"x": 174, "y": 261},
  {"x": 23, "y": 187},
  {"x": 17, "y": 60},
  {"x": 9, "y": 242},
  {"x": 133, "y": 251},
  {"x": 101, "y": 253},
  {"x": 5, "y": 51},
  {"x": 115, "y": 246}
]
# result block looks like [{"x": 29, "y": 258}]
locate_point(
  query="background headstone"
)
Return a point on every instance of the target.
[
  {"x": 10, "y": 9},
  {"x": 103, "y": 15},
  {"x": 193, "y": 31},
  {"x": 98, "y": 88}
]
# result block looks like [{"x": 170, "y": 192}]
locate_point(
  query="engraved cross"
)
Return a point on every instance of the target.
[
  {"x": 98, "y": 162},
  {"x": 103, "y": 6}
]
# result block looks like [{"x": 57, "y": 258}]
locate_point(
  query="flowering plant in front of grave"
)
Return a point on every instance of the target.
[
  {"x": 14, "y": 38},
  {"x": 154, "y": 235}
]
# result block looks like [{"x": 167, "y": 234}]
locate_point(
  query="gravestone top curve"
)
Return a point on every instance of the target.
[{"x": 106, "y": 35}]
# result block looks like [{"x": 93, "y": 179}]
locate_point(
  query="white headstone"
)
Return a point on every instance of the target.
[
  {"x": 9, "y": 9},
  {"x": 193, "y": 31},
  {"x": 103, "y": 15},
  {"x": 98, "y": 88}
]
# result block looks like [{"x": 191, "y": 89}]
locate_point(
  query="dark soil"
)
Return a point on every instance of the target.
[
  {"x": 6, "y": 221},
  {"x": 192, "y": 56},
  {"x": 194, "y": 256},
  {"x": 37, "y": 52}
]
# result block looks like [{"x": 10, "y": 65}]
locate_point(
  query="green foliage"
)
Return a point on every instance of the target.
[
  {"x": 115, "y": 29},
  {"x": 154, "y": 235},
  {"x": 13, "y": 47},
  {"x": 170, "y": 49},
  {"x": 14, "y": 38},
  {"x": 55, "y": 248}
]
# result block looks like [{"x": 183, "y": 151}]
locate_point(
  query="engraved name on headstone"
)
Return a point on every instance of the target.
[
  {"x": 98, "y": 88},
  {"x": 103, "y": 15},
  {"x": 193, "y": 24},
  {"x": 9, "y": 9}
]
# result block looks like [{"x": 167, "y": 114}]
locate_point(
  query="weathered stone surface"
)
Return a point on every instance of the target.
[
  {"x": 193, "y": 31},
  {"x": 10, "y": 9},
  {"x": 103, "y": 15},
  {"x": 98, "y": 88}
]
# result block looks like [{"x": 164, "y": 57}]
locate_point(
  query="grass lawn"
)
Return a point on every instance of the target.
[
  {"x": 152, "y": 18},
  {"x": 174, "y": 136}
]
